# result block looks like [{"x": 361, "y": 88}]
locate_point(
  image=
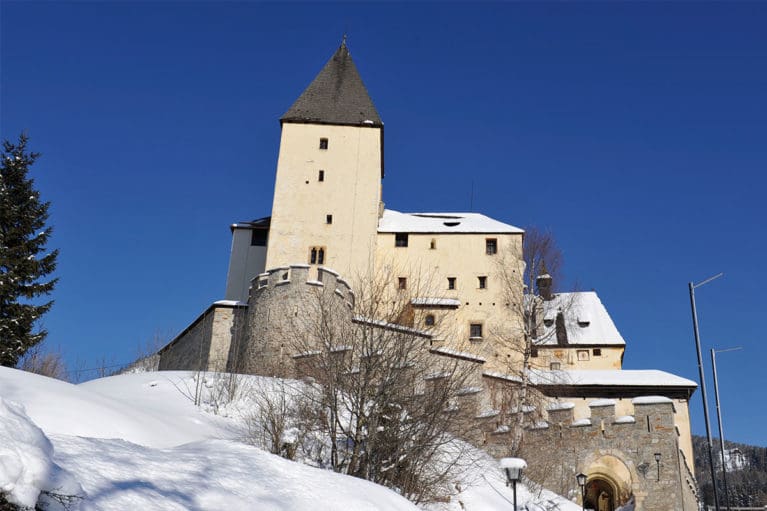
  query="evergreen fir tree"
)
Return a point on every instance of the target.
[{"x": 23, "y": 264}]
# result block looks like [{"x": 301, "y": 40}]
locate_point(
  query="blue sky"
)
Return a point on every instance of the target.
[{"x": 636, "y": 132}]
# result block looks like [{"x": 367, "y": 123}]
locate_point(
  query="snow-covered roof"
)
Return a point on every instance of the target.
[
  {"x": 435, "y": 302},
  {"x": 394, "y": 221},
  {"x": 586, "y": 320},
  {"x": 458, "y": 354},
  {"x": 610, "y": 377}
]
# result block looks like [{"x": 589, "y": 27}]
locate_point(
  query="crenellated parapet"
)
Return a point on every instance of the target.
[{"x": 283, "y": 304}]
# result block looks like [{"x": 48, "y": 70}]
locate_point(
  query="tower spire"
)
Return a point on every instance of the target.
[{"x": 336, "y": 96}]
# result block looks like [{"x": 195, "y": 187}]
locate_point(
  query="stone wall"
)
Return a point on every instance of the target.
[
  {"x": 618, "y": 454},
  {"x": 284, "y": 307},
  {"x": 206, "y": 343}
]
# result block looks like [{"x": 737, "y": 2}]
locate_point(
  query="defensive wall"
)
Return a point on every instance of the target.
[{"x": 617, "y": 453}]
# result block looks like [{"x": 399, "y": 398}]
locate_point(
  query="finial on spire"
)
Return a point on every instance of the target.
[{"x": 343, "y": 41}]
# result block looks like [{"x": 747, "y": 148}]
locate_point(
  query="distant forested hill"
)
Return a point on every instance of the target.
[{"x": 746, "y": 472}]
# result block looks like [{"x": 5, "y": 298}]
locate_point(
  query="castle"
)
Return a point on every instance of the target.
[{"x": 627, "y": 430}]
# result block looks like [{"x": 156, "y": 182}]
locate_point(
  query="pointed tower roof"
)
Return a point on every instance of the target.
[{"x": 336, "y": 96}]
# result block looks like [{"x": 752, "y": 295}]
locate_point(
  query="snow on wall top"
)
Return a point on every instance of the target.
[
  {"x": 586, "y": 320},
  {"x": 625, "y": 377},
  {"x": 394, "y": 221}
]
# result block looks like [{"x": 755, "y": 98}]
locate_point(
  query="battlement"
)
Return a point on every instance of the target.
[
  {"x": 283, "y": 277},
  {"x": 650, "y": 412}
]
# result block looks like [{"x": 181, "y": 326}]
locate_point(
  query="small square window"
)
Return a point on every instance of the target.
[
  {"x": 491, "y": 246},
  {"x": 402, "y": 283},
  {"x": 583, "y": 355},
  {"x": 482, "y": 282},
  {"x": 321, "y": 176},
  {"x": 328, "y": 219},
  {"x": 555, "y": 366},
  {"x": 400, "y": 239},
  {"x": 534, "y": 352},
  {"x": 323, "y": 143},
  {"x": 475, "y": 331},
  {"x": 451, "y": 282},
  {"x": 597, "y": 352},
  {"x": 429, "y": 320}
]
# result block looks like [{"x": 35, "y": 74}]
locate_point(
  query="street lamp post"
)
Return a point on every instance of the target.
[
  {"x": 719, "y": 420},
  {"x": 581, "y": 478},
  {"x": 703, "y": 381},
  {"x": 513, "y": 468}
]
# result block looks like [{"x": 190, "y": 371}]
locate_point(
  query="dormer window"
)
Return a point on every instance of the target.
[{"x": 323, "y": 143}]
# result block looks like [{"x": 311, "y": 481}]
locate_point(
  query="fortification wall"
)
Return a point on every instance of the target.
[
  {"x": 206, "y": 343},
  {"x": 617, "y": 453},
  {"x": 285, "y": 309}
]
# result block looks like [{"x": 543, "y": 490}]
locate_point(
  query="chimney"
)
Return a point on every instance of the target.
[{"x": 544, "y": 284}]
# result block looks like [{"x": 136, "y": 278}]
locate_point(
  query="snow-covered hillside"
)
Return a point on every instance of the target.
[{"x": 138, "y": 442}]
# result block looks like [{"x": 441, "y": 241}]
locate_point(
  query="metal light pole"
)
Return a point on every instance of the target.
[
  {"x": 513, "y": 468},
  {"x": 581, "y": 478},
  {"x": 703, "y": 381},
  {"x": 657, "y": 462},
  {"x": 719, "y": 419}
]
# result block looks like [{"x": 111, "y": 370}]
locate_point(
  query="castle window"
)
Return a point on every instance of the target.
[
  {"x": 491, "y": 246},
  {"x": 534, "y": 352},
  {"x": 429, "y": 320},
  {"x": 328, "y": 219},
  {"x": 402, "y": 283},
  {"x": 597, "y": 352},
  {"x": 433, "y": 244},
  {"x": 323, "y": 143},
  {"x": 317, "y": 255},
  {"x": 321, "y": 177},
  {"x": 555, "y": 366},
  {"x": 400, "y": 239},
  {"x": 583, "y": 355},
  {"x": 451, "y": 282},
  {"x": 482, "y": 282},
  {"x": 475, "y": 331},
  {"x": 258, "y": 238}
]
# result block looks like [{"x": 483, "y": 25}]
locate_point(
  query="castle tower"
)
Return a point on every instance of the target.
[{"x": 327, "y": 190}]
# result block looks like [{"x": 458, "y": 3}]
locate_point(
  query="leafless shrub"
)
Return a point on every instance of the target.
[{"x": 45, "y": 363}]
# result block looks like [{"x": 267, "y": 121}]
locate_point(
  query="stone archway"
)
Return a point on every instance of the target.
[
  {"x": 609, "y": 482},
  {"x": 600, "y": 495}
]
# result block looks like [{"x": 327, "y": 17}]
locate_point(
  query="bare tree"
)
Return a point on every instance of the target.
[
  {"x": 388, "y": 404},
  {"x": 536, "y": 317},
  {"x": 44, "y": 362}
]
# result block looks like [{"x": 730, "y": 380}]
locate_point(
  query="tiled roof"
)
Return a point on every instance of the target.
[{"x": 336, "y": 96}]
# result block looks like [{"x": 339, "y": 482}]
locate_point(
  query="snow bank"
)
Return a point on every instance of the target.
[
  {"x": 26, "y": 460},
  {"x": 25, "y": 455}
]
